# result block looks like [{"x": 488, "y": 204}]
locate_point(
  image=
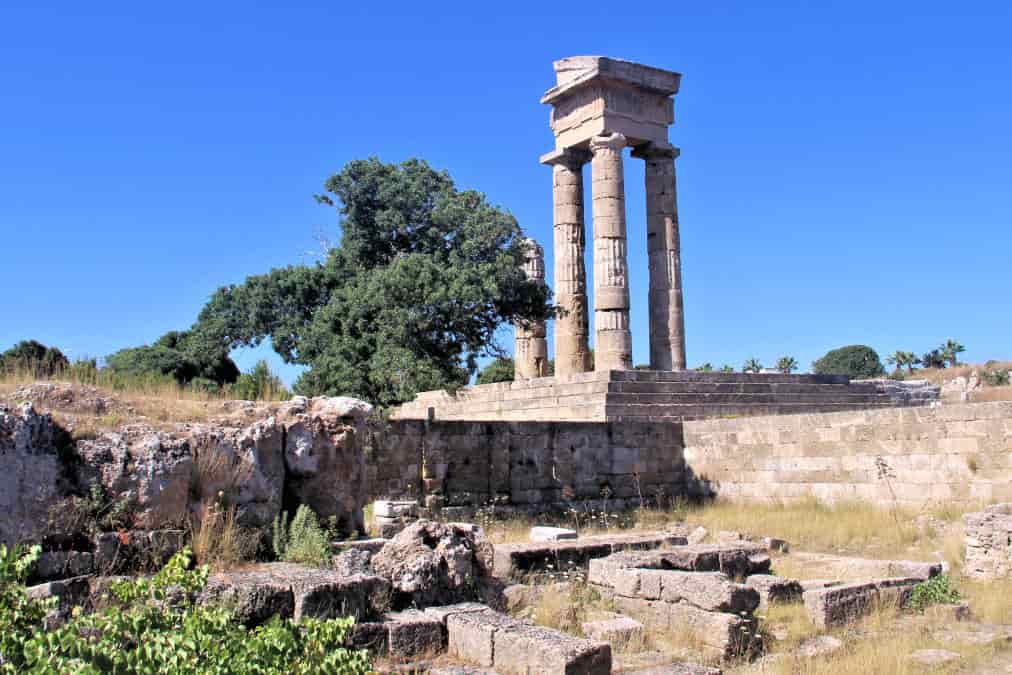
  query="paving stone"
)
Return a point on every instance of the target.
[
  {"x": 541, "y": 533},
  {"x": 837, "y": 605}
]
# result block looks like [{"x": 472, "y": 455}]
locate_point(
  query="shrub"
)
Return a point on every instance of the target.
[
  {"x": 178, "y": 354},
  {"x": 996, "y": 378},
  {"x": 155, "y": 625},
  {"x": 303, "y": 540},
  {"x": 934, "y": 591},
  {"x": 856, "y": 361},
  {"x": 33, "y": 357}
]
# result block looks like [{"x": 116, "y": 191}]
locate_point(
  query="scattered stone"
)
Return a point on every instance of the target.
[
  {"x": 395, "y": 509},
  {"x": 934, "y": 657},
  {"x": 697, "y": 535},
  {"x": 618, "y": 631},
  {"x": 352, "y": 561},
  {"x": 841, "y": 604},
  {"x": 551, "y": 533},
  {"x": 432, "y": 563},
  {"x": 819, "y": 645}
]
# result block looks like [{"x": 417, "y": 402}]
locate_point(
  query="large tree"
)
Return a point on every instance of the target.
[
  {"x": 180, "y": 355},
  {"x": 35, "y": 357},
  {"x": 857, "y": 361},
  {"x": 423, "y": 276}
]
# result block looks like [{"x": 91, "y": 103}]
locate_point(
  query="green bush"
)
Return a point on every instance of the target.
[
  {"x": 996, "y": 378},
  {"x": 856, "y": 361},
  {"x": 155, "y": 626},
  {"x": 302, "y": 541},
  {"x": 178, "y": 354},
  {"x": 259, "y": 384},
  {"x": 935, "y": 591},
  {"x": 32, "y": 356}
]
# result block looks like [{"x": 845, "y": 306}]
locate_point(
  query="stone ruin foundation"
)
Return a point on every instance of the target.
[{"x": 989, "y": 543}]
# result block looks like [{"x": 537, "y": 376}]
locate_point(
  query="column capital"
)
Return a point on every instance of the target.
[
  {"x": 656, "y": 151},
  {"x": 572, "y": 158},
  {"x": 614, "y": 142}
]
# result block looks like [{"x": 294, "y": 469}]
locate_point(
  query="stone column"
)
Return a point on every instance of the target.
[
  {"x": 667, "y": 317},
  {"x": 530, "y": 356},
  {"x": 613, "y": 339},
  {"x": 572, "y": 352}
]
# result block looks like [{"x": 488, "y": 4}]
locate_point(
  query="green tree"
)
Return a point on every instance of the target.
[
  {"x": 933, "y": 359},
  {"x": 727, "y": 368},
  {"x": 951, "y": 349},
  {"x": 259, "y": 384},
  {"x": 856, "y": 361},
  {"x": 752, "y": 366},
  {"x": 705, "y": 368},
  {"x": 903, "y": 359},
  {"x": 423, "y": 277},
  {"x": 787, "y": 364},
  {"x": 500, "y": 370},
  {"x": 34, "y": 357},
  {"x": 180, "y": 355}
]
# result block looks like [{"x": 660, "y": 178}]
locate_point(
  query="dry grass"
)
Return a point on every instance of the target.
[
  {"x": 219, "y": 541},
  {"x": 851, "y": 527},
  {"x": 991, "y": 394},
  {"x": 990, "y": 601}
]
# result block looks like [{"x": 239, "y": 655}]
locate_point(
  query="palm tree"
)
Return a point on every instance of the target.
[
  {"x": 933, "y": 359},
  {"x": 786, "y": 364},
  {"x": 705, "y": 368},
  {"x": 950, "y": 350},
  {"x": 901, "y": 359},
  {"x": 752, "y": 366},
  {"x": 727, "y": 368}
]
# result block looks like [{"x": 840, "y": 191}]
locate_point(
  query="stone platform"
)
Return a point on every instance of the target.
[{"x": 656, "y": 396}]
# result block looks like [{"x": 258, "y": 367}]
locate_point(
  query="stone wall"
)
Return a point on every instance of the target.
[
  {"x": 957, "y": 454},
  {"x": 527, "y": 463}
]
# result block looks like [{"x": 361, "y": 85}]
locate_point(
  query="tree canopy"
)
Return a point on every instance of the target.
[
  {"x": 179, "y": 355},
  {"x": 857, "y": 361},
  {"x": 500, "y": 370},
  {"x": 32, "y": 355},
  {"x": 423, "y": 276}
]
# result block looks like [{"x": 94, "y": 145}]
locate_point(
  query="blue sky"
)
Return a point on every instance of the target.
[{"x": 845, "y": 169}]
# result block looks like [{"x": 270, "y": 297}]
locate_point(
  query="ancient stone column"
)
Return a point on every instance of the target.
[
  {"x": 613, "y": 339},
  {"x": 667, "y": 318},
  {"x": 530, "y": 356},
  {"x": 572, "y": 351}
]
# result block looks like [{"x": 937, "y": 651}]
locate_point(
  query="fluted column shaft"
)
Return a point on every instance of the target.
[
  {"x": 572, "y": 333},
  {"x": 613, "y": 339},
  {"x": 530, "y": 356},
  {"x": 667, "y": 317}
]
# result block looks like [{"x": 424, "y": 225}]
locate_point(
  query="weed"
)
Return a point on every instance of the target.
[
  {"x": 935, "y": 591},
  {"x": 302, "y": 540}
]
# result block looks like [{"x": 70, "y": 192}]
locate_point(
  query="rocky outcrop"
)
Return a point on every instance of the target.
[
  {"x": 30, "y": 472},
  {"x": 251, "y": 456},
  {"x": 430, "y": 563}
]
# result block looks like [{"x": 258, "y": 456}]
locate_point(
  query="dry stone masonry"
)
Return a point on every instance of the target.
[{"x": 989, "y": 543}]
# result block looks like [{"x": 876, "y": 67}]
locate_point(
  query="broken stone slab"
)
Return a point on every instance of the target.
[
  {"x": 837, "y": 605},
  {"x": 513, "y": 646},
  {"x": 846, "y": 567},
  {"x": 513, "y": 559},
  {"x": 541, "y": 533},
  {"x": 934, "y": 657},
  {"x": 372, "y": 545},
  {"x": 819, "y": 645},
  {"x": 774, "y": 590},
  {"x": 386, "y": 508},
  {"x": 620, "y": 630},
  {"x": 288, "y": 590}
]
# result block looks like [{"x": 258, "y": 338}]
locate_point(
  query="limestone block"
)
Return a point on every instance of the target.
[
  {"x": 774, "y": 590},
  {"x": 542, "y": 533},
  {"x": 711, "y": 591},
  {"x": 470, "y": 636},
  {"x": 521, "y": 648},
  {"x": 620, "y": 630},
  {"x": 837, "y": 605},
  {"x": 394, "y": 509},
  {"x": 413, "y": 632}
]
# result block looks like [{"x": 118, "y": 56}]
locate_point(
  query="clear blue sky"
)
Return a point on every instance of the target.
[{"x": 845, "y": 173}]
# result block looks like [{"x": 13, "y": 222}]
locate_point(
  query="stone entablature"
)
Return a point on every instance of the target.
[{"x": 600, "y": 106}]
